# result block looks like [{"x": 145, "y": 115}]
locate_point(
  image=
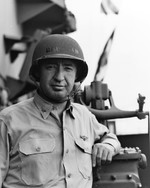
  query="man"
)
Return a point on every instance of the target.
[
  {"x": 3, "y": 93},
  {"x": 48, "y": 141}
]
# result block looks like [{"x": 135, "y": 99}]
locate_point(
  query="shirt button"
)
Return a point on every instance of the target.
[
  {"x": 38, "y": 149},
  {"x": 69, "y": 175},
  {"x": 67, "y": 151}
]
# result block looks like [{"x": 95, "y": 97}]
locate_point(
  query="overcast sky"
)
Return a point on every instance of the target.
[{"x": 128, "y": 68}]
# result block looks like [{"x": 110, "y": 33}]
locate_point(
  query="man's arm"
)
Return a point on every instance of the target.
[
  {"x": 106, "y": 146},
  {"x": 4, "y": 152}
]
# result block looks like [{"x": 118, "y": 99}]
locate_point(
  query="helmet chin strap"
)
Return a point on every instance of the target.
[{"x": 74, "y": 91}]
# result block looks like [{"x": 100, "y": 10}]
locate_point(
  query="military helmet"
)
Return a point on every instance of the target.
[{"x": 59, "y": 46}]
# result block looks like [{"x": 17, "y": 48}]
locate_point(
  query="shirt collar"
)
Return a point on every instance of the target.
[{"x": 46, "y": 107}]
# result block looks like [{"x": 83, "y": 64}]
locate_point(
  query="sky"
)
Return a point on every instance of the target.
[{"x": 127, "y": 72}]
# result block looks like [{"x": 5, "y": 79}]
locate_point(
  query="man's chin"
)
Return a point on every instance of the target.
[{"x": 60, "y": 99}]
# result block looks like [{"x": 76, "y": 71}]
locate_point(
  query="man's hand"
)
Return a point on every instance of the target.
[
  {"x": 141, "y": 115},
  {"x": 102, "y": 154}
]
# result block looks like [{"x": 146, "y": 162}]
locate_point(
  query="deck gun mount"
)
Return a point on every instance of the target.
[
  {"x": 123, "y": 171},
  {"x": 95, "y": 97}
]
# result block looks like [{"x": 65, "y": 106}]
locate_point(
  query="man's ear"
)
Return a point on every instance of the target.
[
  {"x": 37, "y": 75},
  {"x": 77, "y": 75}
]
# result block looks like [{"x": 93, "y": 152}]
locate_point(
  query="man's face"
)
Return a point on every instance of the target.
[{"x": 57, "y": 78}]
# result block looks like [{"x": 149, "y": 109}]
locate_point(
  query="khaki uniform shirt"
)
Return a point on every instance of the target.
[{"x": 37, "y": 150}]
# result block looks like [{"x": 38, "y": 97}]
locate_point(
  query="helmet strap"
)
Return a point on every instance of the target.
[{"x": 75, "y": 90}]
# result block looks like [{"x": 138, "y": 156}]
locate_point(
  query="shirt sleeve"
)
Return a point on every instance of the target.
[
  {"x": 4, "y": 152},
  {"x": 103, "y": 135}
]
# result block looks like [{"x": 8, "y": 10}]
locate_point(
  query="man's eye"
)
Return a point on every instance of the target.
[
  {"x": 51, "y": 66},
  {"x": 69, "y": 68}
]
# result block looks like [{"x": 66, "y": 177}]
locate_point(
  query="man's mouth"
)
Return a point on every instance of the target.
[{"x": 58, "y": 87}]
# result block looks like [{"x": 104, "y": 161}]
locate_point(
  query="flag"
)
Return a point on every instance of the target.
[
  {"x": 103, "y": 60},
  {"x": 110, "y": 6}
]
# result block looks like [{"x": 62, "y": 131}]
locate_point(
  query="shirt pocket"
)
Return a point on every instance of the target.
[
  {"x": 36, "y": 157},
  {"x": 84, "y": 157}
]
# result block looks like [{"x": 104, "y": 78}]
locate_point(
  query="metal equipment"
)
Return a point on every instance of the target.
[{"x": 123, "y": 172}]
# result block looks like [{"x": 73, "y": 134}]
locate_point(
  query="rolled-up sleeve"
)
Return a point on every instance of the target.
[
  {"x": 4, "y": 152},
  {"x": 103, "y": 135}
]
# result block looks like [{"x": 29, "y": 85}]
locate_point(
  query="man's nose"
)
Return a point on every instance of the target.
[{"x": 59, "y": 75}]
